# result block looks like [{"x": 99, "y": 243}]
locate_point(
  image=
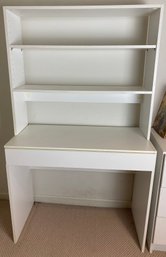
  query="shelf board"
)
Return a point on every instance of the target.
[
  {"x": 82, "y": 138},
  {"x": 87, "y": 94},
  {"x": 72, "y": 88},
  {"x": 83, "y": 47}
]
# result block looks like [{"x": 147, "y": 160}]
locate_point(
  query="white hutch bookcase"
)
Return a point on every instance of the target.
[{"x": 82, "y": 82}]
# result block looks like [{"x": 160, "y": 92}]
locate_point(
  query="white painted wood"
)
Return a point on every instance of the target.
[
  {"x": 13, "y": 27},
  {"x": 159, "y": 235},
  {"x": 84, "y": 160},
  {"x": 160, "y": 21},
  {"x": 161, "y": 203},
  {"x": 141, "y": 204},
  {"x": 16, "y": 70},
  {"x": 20, "y": 109},
  {"x": 17, "y": 79},
  {"x": 153, "y": 27},
  {"x": 91, "y": 89},
  {"x": 20, "y": 195},
  {"x": 126, "y": 10},
  {"x": 77, "y": 67},
  {"x": 80, "y": 98},
  {"x": 71, "y": 52},
  {"x": 82, "y": 138},
  {"x": 150, "y": 74},
  {"x": 78, "y": 94},
  {"x": 98, "y": 114},
  {"x": 149, "y": 69},
  {"x": 145, "y": 118},
  {"x": 84, "y": 28},
  {"x": 145, "y": 115},
  {"x": 81, "y": 159},
  {"x": 83, "y": 47}
]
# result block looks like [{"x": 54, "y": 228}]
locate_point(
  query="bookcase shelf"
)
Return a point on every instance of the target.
[
  {"x": 82, "y": 47},
  {"x": 82, "y": 94},
  {"x": 69, "y": 88},
  {"x": 89, "y": 55}
]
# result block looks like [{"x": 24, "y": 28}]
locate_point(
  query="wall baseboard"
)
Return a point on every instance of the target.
[
  {"x": 4, "y": 196},
  {"x": 76, "y": 201},
  {"x": 83, "y": 201}
]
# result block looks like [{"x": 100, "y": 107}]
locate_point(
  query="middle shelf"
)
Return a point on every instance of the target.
[
  {"x": 82, "y": 47},
  {"x": 83, "y": 65},
  {"x": 93, "y": 94}
]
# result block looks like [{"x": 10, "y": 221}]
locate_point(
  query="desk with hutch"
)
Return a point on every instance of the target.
[{"x": 82, "y": 82}]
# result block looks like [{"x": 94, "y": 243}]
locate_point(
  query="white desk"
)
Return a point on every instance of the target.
[{"x": 79, "y": 147}]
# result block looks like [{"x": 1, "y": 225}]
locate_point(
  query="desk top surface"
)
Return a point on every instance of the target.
[{"x": 81, "y": 138}]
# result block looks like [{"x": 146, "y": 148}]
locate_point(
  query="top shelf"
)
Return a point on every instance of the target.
[{"x": 113, "y": 26}]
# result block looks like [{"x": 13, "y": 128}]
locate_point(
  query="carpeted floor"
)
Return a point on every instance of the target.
[{"x": 72, "y": 231}]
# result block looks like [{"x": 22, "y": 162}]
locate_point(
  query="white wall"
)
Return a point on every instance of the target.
[{"x": 100, "y": 189}]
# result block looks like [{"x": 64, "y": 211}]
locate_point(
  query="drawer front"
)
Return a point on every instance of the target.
[
  {"x": 160, "y": 231},
  {"x": 163, "y": 183},
  {"x": 81, "y": 159},
  {"x": 162, "y": 203}
]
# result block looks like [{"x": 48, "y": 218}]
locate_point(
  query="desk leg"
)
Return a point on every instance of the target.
[
  {"x": 20, "y": 196},
  {"x": 142, "y": 193}
]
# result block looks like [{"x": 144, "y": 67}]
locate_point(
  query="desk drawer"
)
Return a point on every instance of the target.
[
  {"x": 163, "y": 183},
  {"x": 81, "y": 159},
  {"x": 162, "y": 203},
  {"x": 160, "y": 231}
]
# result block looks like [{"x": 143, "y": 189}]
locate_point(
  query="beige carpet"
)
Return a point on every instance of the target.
[{"x": 72, "y": 231}]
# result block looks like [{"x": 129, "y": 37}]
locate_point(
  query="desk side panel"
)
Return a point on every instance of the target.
[
  {"x": 141, "y": 200},
  {"x": 20, "y": 196}
]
